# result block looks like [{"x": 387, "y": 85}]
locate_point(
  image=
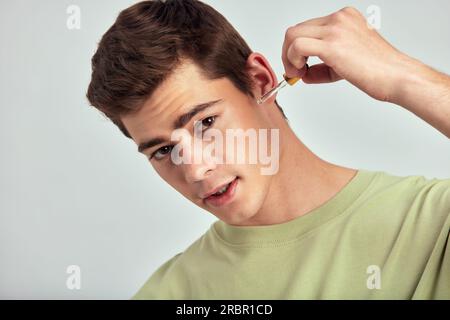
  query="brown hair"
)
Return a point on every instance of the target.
[{"x": 149, "y": 40}]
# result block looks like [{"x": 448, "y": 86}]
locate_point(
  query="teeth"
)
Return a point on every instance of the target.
[{"x": 222, "y": 190}]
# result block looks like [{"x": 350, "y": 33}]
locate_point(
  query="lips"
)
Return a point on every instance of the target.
[
  {"x": 217, "y": 189},
  {"x": 224, "y": 198}
]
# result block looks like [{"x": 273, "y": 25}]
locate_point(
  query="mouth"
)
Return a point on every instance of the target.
[{"x": 224, "y": 195}]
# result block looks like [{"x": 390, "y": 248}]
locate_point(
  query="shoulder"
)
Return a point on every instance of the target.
[
  {"x": 172, "y": 279},
  {"x": 414, "y": 202},
  {"x": 432, "y": 193},
  {"x": 157, "y": 285}
]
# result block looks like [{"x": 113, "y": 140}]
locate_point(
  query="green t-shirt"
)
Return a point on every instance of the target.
[{"x": 380, "y": 237}]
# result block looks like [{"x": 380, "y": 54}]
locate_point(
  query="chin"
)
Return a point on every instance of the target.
[
  {"x": 245, "y": 206},
  {"x": 244, "y": 211}
]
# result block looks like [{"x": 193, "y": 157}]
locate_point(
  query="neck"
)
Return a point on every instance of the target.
[{"x": 302, "y": 183}]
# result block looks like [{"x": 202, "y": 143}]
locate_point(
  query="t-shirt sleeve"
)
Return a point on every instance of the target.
[
  {"x": 162, "y": 284},
  {"x": 433, "y": 224}
]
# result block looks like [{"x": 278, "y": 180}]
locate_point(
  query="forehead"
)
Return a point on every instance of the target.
[{"x": 185, "y": 87}]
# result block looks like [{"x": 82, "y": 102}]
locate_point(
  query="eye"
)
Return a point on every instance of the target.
[
  {"x": 161, "y": 152},
  {"x": 207, "y": 122}
]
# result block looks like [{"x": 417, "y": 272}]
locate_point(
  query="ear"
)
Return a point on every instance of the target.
[{"x": 263, "y": 77}]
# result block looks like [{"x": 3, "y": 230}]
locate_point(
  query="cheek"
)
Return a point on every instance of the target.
[{"x": 174, "y": 178}]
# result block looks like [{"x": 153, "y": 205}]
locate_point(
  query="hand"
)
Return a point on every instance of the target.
[{"x": 350, "y": 50}]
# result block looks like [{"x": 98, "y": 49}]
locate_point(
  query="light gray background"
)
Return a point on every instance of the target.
[{"x": 75, "y": 191}]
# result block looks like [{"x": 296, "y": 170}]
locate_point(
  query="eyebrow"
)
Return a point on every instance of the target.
[{"x": 180, "y": 122}]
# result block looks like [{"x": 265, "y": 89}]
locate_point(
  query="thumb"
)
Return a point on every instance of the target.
[{"x": 320, "y": 73}]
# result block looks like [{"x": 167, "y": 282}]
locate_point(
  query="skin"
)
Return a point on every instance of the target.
[{"x": 371, "y": 64}]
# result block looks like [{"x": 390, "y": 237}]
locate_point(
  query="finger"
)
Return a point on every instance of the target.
[
  {"x": 320, "y": 21},
  {"x": 305, "y": 31},
  {"x": 320, "y": 73},
  {"x": 293, "y": 33},
  {"x": 294, "y": 58}
]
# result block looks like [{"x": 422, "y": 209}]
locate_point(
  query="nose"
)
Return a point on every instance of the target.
[
  {"x": 201, "y": 163},
  {"x": 197, "y": 172}
]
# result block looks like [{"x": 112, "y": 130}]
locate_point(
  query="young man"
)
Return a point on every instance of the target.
[{"x": 309, "y": 228}]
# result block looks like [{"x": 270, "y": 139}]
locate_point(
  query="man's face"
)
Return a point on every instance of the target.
[{"x": 176, "y": 96}]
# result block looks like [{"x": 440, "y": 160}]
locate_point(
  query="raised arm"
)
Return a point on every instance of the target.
[{"x": 350, "y": 49}]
